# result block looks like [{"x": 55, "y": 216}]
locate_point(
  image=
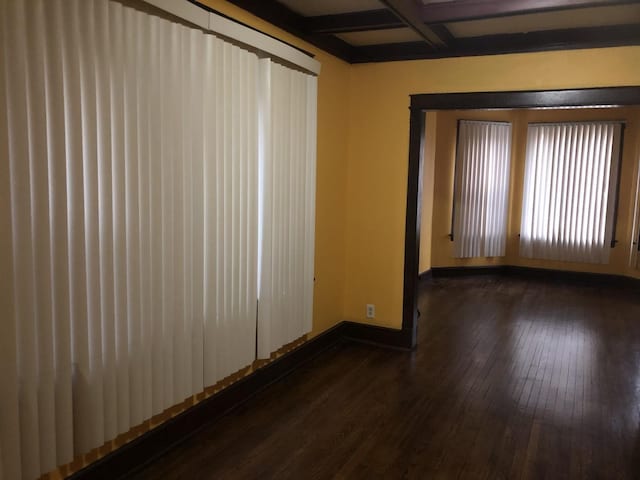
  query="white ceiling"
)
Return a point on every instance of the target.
[{"x": 311, "y": 8}]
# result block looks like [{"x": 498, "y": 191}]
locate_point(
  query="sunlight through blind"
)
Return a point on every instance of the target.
[
  {"x": 570, "y": 190},
  {"x": 481, "y": 198}
]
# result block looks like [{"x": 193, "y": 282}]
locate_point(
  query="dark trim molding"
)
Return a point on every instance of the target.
[
  {"x": 354, "y": 22},
  {"x": 380, "y": 336},
  {"x": 426, "y": 276},
  {"x": 440, "y": 272},
  {"x": 460, "y": 10},
  {"x": 540, "y": 41},
  {"x": 607, "y": 96},
  {"x": 145, "y": 449},
  {"x": 283, "y": 17},
  {"x": 616, "y": 205},
  {"x": 410, "y": 13},
  {"x": 417, "y": 122}
]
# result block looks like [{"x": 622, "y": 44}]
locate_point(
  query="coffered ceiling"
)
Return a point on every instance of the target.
[{"x": 385, "y": 30}]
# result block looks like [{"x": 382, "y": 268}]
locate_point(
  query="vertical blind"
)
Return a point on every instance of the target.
[
  {"x": 129, "y": 212},
  {"x": 481, "y": 193},
  {"x": 288, "y": 211},
  {"x": 570, "y": 191}
]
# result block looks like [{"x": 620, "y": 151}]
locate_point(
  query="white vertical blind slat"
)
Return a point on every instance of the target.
[
  {"x": 23, "y": 262},
  {"x": 94, "y": 429},
  {"x": 156, "y": 172},
  {"x": 310, "y": 200},
  {"x": 36, "y": 104},
  {"x": 210, "y": 215},
  {"x": 146, "y": 139},
  {"x": 105, "y": 206},
  {"x": 132, "y": 227},
  {"x": 10, "y": 441},
  {"x": 198, "y": 182}
]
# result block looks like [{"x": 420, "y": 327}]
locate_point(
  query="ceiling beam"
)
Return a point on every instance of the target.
[
  {"x": 410, "y": 13},
  {"x": 444, "y": 33},
  {"x": 283, "y": 17},
  {"x": 460, "y": 10},
  {"x": 354, "y": 22},
  {"x": 563, "y": 39}
]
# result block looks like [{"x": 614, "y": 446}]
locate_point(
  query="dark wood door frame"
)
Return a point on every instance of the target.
[{"x": 608, "y": 96}]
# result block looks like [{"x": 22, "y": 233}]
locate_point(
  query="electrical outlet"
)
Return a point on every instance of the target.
[{"x": 371, "y": 310}]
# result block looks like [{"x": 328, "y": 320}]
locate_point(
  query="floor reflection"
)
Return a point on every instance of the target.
[
  {"x": 552, "y": 368},
  {"x": 553, "y": 359}
]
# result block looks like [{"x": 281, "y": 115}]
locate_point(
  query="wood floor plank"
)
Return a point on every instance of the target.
[{"x": 512, "y": 379}]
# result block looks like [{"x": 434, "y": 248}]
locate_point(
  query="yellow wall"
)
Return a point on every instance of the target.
[
  {"x": 442, "y": 249},
  {"x": 378, "y": 148},
  {"x": 428, "y": 179},
  {"x": 333, "y": 107}
]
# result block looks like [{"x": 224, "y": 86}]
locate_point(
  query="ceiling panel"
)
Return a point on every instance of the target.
[
  {"x": 377, "y": 37},
  {"x": 583, "y": 17},
  {"x": 312, "y": 8}
]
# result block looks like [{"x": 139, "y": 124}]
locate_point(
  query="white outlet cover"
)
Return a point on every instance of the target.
[{"x": 371, "y": 310}]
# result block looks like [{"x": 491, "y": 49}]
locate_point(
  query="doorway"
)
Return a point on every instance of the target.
[{"x": 419, "y": 105}]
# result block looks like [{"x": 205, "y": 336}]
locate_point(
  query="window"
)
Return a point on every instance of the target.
[
  {"x": 570, "y": 191},
  {"x": 481, "y": 193}
]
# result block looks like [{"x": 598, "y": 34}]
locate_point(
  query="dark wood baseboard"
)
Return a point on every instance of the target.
[
  {"x": 568, "y": 276},
  {"x": 140, "y": 452},
  {"x": 437, "y": 272},
  {"x": 545, "y": 274},
  {"x": 425, "y": 276},
  {"x": 381, "y": 336}
]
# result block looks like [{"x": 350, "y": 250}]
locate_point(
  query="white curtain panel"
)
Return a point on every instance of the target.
[
  {"x": 128, "y": 219},
  {"x": 570, "y": 191},
  {"x": 481, "y": 199},
  {"x": 287, "y": 182}
]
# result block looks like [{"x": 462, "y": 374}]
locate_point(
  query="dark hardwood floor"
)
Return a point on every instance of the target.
[{"x": 511, "y": 379}]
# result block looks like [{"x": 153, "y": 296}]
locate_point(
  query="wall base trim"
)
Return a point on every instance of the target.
[
  {"x": 143, "y": 450},
  {"x": 439, "y": 272},
  {"x": 426, "y": 276},
  {"x": 380, "y": 336},
  {"x": 546, "y": 274}
]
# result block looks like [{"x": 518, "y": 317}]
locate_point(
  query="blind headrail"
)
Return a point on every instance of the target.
[{"x": 217, "y": 24}]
